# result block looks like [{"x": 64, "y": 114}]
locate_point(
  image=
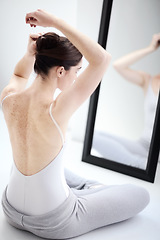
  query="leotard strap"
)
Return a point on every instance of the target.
[
  {"x": 6, "y": 97},
  {"x": 58, "y": 127}
]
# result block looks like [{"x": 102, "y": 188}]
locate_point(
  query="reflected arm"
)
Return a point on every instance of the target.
[{"x": 123, "y": 64}]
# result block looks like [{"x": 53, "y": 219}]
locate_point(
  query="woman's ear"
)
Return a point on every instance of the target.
[{"x": 60, "y": 71}]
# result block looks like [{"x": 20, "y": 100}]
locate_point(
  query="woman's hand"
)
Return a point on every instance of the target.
[
  {"x": 155, "y": 43},
  {"x": 40, "y": 18},
  {"x": 31, "y": 48}
]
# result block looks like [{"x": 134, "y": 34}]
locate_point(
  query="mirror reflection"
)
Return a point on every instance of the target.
[{"x": 129, "y": 93}]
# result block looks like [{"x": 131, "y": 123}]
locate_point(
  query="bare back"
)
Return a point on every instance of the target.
[{"x": 34, "y": 137}]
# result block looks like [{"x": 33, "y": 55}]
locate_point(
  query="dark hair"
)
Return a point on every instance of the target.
[{"x": 53, "y": 50}]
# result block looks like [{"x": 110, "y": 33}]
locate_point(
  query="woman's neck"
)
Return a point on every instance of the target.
[{"x": 45, "y": 86}]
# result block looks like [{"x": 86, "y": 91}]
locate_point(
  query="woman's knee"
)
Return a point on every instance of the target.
[{"x": 138, "y": 196}]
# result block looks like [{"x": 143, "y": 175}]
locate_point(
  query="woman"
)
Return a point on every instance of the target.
[
  {"x": 39, "y": 197},
  {"x": 134, "y": 153}
]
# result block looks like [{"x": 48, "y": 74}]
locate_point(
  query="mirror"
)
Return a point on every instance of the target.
[{"x": 123, "y": 119}]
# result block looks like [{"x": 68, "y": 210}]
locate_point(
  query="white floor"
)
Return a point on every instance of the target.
[{"x": 145, "y": 226}]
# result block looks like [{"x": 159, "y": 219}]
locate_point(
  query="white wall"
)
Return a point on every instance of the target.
[{"x": 84, "y": 14}]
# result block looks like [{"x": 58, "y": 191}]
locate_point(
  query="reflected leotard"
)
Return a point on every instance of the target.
[{"x": 74, "y": 207}]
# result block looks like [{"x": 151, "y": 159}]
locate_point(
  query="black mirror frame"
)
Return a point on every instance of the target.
[{"x": 149, "y": 173}]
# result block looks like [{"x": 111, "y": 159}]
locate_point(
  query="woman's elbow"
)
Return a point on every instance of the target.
[
  {"x": 117, "y": 66},
  {"x": 102, "y": 61},
  {"x": 106, "y": 59}
]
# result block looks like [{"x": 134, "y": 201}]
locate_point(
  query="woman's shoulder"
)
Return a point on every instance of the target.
[
  {"x": 6, "y": 94},
  {"x": 147, "y": 80}
]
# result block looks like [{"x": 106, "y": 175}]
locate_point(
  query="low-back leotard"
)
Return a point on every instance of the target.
[{"x": 42, "y": 192}]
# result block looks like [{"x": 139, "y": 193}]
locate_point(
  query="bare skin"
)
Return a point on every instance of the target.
[
  {"x": 123, "y": 66},
  {"x": 34, "y": 138}
]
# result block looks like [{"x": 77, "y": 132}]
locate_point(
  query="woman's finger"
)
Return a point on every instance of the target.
[
  {"x": 35, "y": 36},
  {"x": 30, "y": 18}
]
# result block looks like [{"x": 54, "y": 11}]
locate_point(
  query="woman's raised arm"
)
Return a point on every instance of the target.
[
  {"x": 123, "y": 64},
  {"x": 91, "y": 50},
  {"x": 22, "y": 69},
  {"x": 97, "y": 57}
]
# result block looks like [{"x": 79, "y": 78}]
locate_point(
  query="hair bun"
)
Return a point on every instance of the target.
[
  {"x": 47, "y": 41},
  {"x": 53, "y": 50}
]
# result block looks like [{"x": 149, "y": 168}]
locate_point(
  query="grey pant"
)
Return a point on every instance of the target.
[
  {"x": 129, "y": 152},
  {"x": 84, "y": 210}
]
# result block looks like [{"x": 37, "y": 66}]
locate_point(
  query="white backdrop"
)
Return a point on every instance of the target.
[{"x": 83, "y": 14}]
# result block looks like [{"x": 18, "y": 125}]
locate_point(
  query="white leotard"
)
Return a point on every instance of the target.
[
  {"x": 42, "y": 192},
  {"x": 150, "y": 105}
]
